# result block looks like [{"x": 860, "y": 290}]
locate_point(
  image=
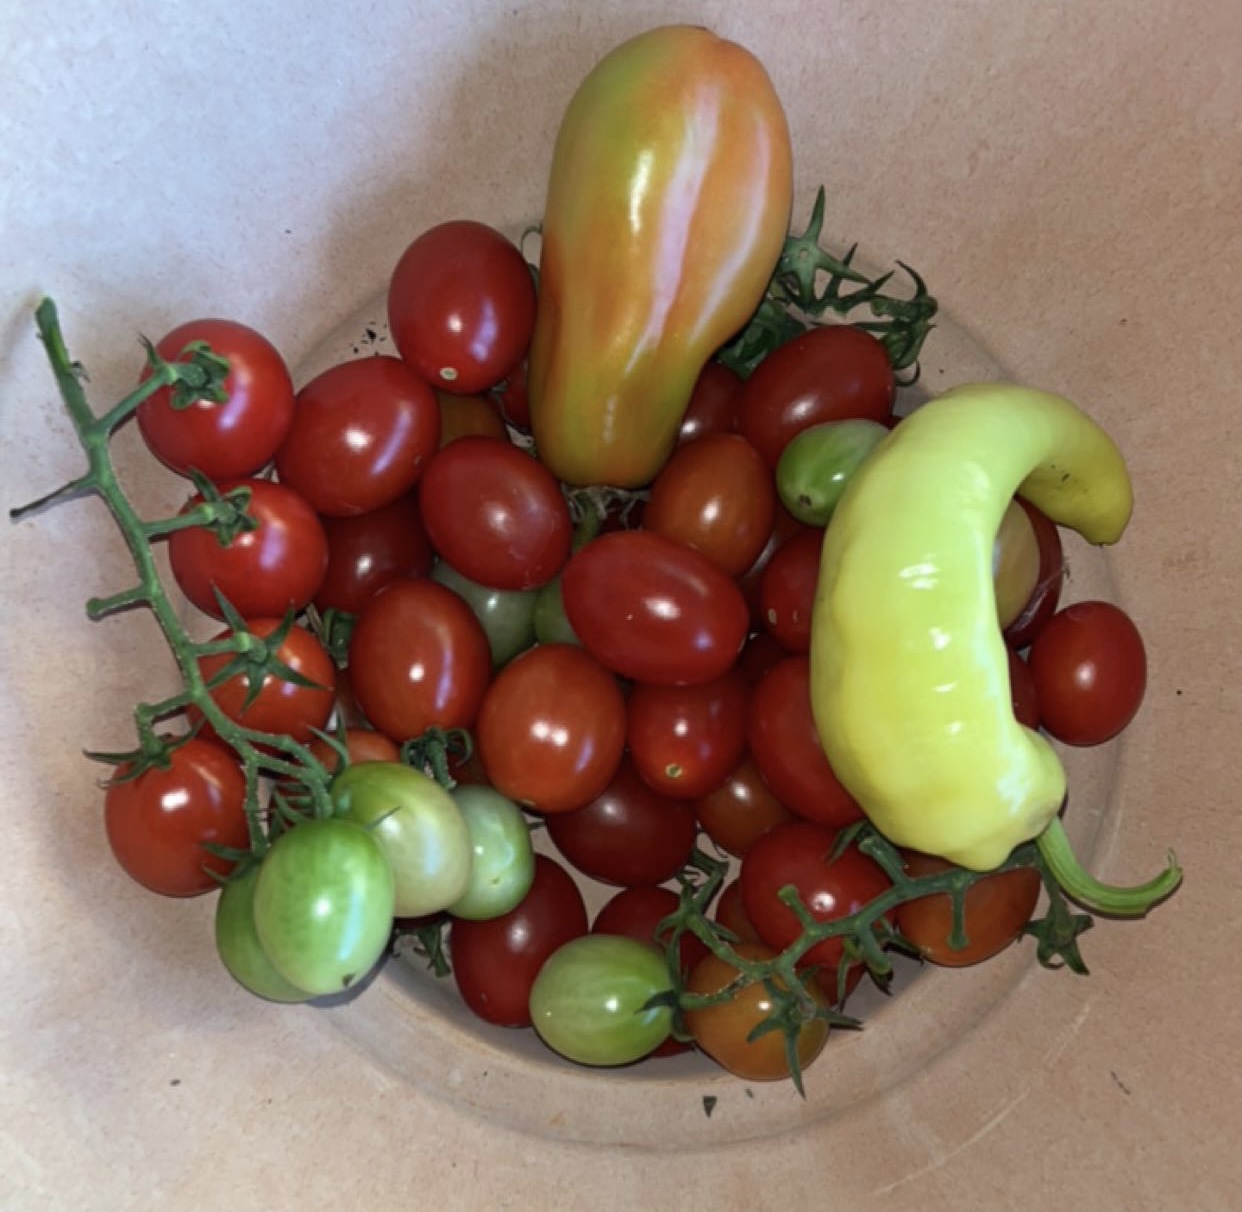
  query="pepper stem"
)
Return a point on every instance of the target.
[{"x": 1079, "y": 885}]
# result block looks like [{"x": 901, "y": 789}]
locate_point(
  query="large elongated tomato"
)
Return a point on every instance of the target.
[{"x": 654, "y": 610}]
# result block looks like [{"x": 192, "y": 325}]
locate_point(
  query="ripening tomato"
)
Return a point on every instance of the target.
[
  {"x": 713, "y": 403},
  {"x": 461, "y": 306},
  {"x": 361, "y": 745},
  {"x": 1090, "y": 672},
  {"x": 551, "y": 728},
  {"x": 1046, "y": 595},
  {"x": 158, "y": 823},
  {"x": 496, "y": 514},
  {"x": 238, "y": 436},
  {"x": 740, "y": 809},
  {"x": 787, "y": 590},
  {"x": 652, "y": 609},
  {"x": 418, "y": 659},
  {"x": 826, "y": 374},
  {"x": 278, "y": 566}
]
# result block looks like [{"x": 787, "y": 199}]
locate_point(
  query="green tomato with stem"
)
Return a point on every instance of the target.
[
  {"x": 817, "y": 464},
  {"x": 504, "y": 859}
]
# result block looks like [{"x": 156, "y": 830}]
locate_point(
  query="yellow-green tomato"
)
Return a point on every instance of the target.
[
  {"x": 590, "y": 1000},
  {"x": 816, "y": 465},
  {"x": 238, "y": 944},
  {"x": 1015, "y": 563},
  {"x": 504, "y": 859},
  {"x": 419, "y": 826}
]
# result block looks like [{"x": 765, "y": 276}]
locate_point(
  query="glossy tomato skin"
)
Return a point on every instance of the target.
[
  {"x": 361, "y": 745},
  {"x": 713, "y": 404},
  {"x": 370, "y": 550},
  {"x": 237, "y": 437},
  {"x": 1046, "y": 596},
  {"x": 636, "y": 912},
  {"x": 278, "y": 566},
  {"x": 800, "y": 854},
  {"x": 740, "y": 809},
  {"x": 551, "y": 728},
  {"x": 783, "y": 740},
  {"x": 651, "y": 609},
  {"x": 784, "y": 527},
  {"x": 716, "y": 495},
  {"x": 281, "y": 706},
  {"x": 461, "y": 306},
  {"x": 158, "y": 823},
  {"x": 787, "y": 590},
  {"x": 237, "y": 943},
  {"x": 504, "y": 859},
  {"x": 361, "y": 436},
  {"x": 723, "y": 1030},
  {"x": 997, "y": 908},
  {"x": 827, "y": 374},
  {"x": 495, "y": 961},
  {"x": 1089, "y": 666},
  {"x": 496, "y": 514},
  {"x": 628, "y": 834},
  {"x": 506, "y": 615},
  {"x": 684, "y": 740},
  {"x": 418, "y": 659}
]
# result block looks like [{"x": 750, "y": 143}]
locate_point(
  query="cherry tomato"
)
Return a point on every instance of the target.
[
  {"x": 741, "y": 809},
  {"x": 784, "y": 527},
  {"x": 238, "y": 946},
  {"x": 158, "y": 823},
  {"x": 628, "y": 834},
  {"x": 504, "y": 859},
  {"x": 715, "y": 495},
  {"x": 651, "y": 609},
  {"x": 783, "y": 740},
  {"x": 506, "y": 615},
  {"x": 418, "y": 659},
  {"x": 551, "y": 728},
  {"x": 637, "y": 912},
  {"x": 800, "y": 854},
  {"x": 461, "y": 416},
  {"x": 1090, "y": 672},
  {"x": 1046, "y": 596},
  {"x": 731, "y": 913},
  {"x": 1015, "y": 563},
  {"x": 1022, "y": 691},
  {"x": 361, "y": 437},
  {"x": 713, "y": 404},
  {"x": 825, "y": 374},
  {"x": 760, "y": 653},
  {"x": 724, "y": 1030},
  {"x": 997, "y": 907},
  {"x": 787, "y": 590},
  {"x": 495, "y": 961},
  {"x": 234, "y": 438},
  {"x": 817, "y": 463},
  {"x": 496, "y": 514},
  {"x": 278, "y": 566},
  {"x": 361, "y": 744},
  {"x": 461, "y": 306},
  {"x": 512, "y": 397},
  {"x": 280, "y": 707},
  {"x": 370, "y": 550}
]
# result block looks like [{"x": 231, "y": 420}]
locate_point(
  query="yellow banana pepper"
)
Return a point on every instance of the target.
[{"x": 909, "y": 675}]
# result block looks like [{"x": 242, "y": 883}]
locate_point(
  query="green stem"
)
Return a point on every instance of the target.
[{"x": 1080, "y": 886}]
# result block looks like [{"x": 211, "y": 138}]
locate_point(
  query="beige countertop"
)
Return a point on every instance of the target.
[{"x": 1068, "y": 178}]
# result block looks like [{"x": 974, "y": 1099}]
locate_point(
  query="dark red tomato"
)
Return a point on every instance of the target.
[
  {"x": 496, "y": 514},
  {"x": 362, "y": 745},
  {"x": 513, "y": 398},
  {"x": 552, "y": 728},
  {"x": 1090, "y": 671},
  {"x": 461, "y": 416},
  {"x": 158, "y": 823},
  {"x": 654, "y": 610},
  {"x": 276, "y": 567},
  {"x": 495, "y": 962},
  {"x": 1022, "y": 691},
  {"x": 281, "y": 707},
  {"x": 741, "y": 809},
  {"x": 997, "y": 907},
  {"x": 361, "y": 437},
  {"x": 787, "y": 590},
  {"x": 761, "y": 652},
  {"x": 731, "y": 913},
  {"x": 685, "y": 740},
  {"x": 783, "y": 740},
  {"x": 713, "y": 404},
  {"x": 784, "y": 527},
  {"x": 628, "y": 834},
  {"x": 826, "y": 374},
  {"x": 461, "y": 306},
  {"x": 237, "y": 437},
  {"x": 371, "y": 550},
  {"x": 800, "y": 855},
  {"x": 418, "y": 659},
  {"x": 717, "y": 495},
  {"x": 1045, "y": 598}
]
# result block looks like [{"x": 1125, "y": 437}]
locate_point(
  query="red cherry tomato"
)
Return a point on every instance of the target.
[
  {"x": 741, "y": 809},
  {"x": 787, "y": 590},
  {"x": 784, "y": 527},
  {"x": 234, "y": 438},
  {"x": 730, "y": 913},
  {"x": 463, "y": 416},
  {"x": 1090, "y": 672},
  {"x": 361, "y": 437},
  {"x": 277, "y": 567},
  {"x": 461, "y": 306},
  {"x": 361, "y": 744},
  {"x": 512, "y": 397},
  {"x": 713, "y": 404}
]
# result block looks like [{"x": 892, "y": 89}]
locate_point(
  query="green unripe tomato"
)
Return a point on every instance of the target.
[
  {"x": 587, "y": 1003},
  {"x": 238, "y": 944},
  {"x": 504, "y": 859},
  {"x": 507, "y": 615},
  {"x": 552, "y": 625},
  {"x": 816, "y": 465}
]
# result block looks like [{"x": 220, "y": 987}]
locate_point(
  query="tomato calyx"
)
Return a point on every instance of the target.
[{"x": 198, "y": 374}]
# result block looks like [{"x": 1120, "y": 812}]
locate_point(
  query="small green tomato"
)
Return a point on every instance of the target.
[
  {"x": 817, "y": 464},
  {"x": 504, "y": 859}
]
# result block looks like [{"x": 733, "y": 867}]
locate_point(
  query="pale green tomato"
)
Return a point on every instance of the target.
[
  {"x": 507, "y": 615},
  {"x": 587, "y": 1003},
  {"x": 816, "y": 465},
  {"x": 239, "y": 947},
  {"x": 552, "y": 625},
  {"x": 504, "y": 859},
  {"x": 419, "y": 826}
]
